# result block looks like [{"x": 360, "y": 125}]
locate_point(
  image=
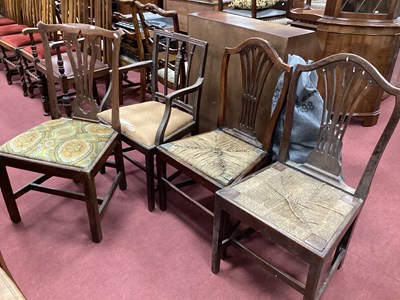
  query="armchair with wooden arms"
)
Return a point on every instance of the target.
[
  {"x": 241, "y": 143},
  {"x": 308, "y": 210},
  {"x": 76, "y": 147},
  {"x": 171, "y": 114}
]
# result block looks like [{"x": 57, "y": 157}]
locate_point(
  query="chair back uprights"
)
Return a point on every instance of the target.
[
  {"x": 343, "y": 81},
  {"x": 82, "y": 44}
]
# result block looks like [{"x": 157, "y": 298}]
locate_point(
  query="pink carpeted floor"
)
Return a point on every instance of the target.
[{"x": 167, "y": 255}]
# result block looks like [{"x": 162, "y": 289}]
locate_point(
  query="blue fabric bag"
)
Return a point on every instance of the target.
[{"x": 306, "y": 118}]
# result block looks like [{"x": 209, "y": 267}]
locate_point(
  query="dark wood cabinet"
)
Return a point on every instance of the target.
[{"x": 370, "y": 29}]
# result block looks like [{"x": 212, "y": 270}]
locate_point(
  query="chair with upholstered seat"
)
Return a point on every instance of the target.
[
  {"x": 171, "y": 114},
  {"x": 246, "y": 121},
  {"x": 74, "y": 148},
  {"x": 308, "y": 209}
]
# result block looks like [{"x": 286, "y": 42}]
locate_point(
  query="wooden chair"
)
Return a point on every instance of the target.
[
  {"x": 8, "y": 288},
  {"x": 132, "y": 50},
  {"x": 246, "y": 122},
  {"x": 308, "y": 209},
  {"x": 77, "y": 147},
  {"x": 171, "y": 114}
]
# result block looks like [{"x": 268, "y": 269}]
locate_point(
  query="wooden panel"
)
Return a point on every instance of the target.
[
  {"x": 377, "y": 43},
  {"x": 184, "y": 8},
  {"x": 222, "y": 30}
]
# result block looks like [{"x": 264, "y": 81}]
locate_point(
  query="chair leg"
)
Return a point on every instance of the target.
[
  {"x": 28, "y": 79},
  {"x": 150, "y": 181},
  {"x": 92, "y": 208},
  {"x": 6, "y": 68},
  {"x": 162, "y": 191},
  {"x": 8, "y": 195},
  {"x": 119, "y": 162},
  {"x": 22, "y": 77},
  {"x": 42, "y": 85},
  {"x": 313, "y": 278},
  {"x": 342, "y": 246},
  {"x": 219, "y": 227}
]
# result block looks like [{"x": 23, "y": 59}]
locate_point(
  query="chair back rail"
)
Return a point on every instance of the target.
[{"x": 343, "y": 81}]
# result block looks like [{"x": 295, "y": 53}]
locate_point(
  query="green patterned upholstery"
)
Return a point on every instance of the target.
[
  {"x": 216, "y": 154},
  {"x": 62, "y": 141}
]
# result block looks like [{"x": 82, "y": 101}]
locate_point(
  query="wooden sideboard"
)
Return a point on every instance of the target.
[{"x": 222, "y": 30}]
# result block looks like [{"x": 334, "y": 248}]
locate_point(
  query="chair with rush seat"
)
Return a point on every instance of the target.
[
  {"x": 246, "y": 121},
  {"x": 308, "y": 210},
  {"x": 171, "y": 114},
  {"x": 74, "y": 148}
]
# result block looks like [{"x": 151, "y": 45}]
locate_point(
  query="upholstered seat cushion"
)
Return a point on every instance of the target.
[
  {"x": 20, "y": 39},
  {"x": 62, "y": 141},
  {"x": 140, "y": 122},
  {"x": 6, "y": 21},
  {"x": 11, "y": 29},
  {"x": 305, "y": 208},
  {"x": 217, "y": 154},
  {"x": 8, "y": 289}
]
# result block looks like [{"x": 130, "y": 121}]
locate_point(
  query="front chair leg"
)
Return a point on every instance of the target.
[
  {"x": 8, "y": 195},
  {"x": 119, "y": 163},
  {"x": 92, "y": 208},
  {"x": 220, "y": 219}
]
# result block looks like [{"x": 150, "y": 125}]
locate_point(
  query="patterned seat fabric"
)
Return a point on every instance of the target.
[
  {"x": 217, "y": 154},
  {"x": 140, "y": 122},
  {"x": 62, "y": 141},
  {"x": 314, "y": 220}
]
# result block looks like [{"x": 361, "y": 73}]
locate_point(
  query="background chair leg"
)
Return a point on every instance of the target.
[
  {"x": 150, "y": 181},
  {"x": 162, "y": 191},
  {"x": 120, "y": 167},
  {"x": 342, "y": 246},
  {"x": 8, "y": 195}
]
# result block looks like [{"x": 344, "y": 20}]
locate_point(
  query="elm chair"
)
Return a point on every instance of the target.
[
  {"x": 308, "y": 209},
  {"x": 8, "y": 287},
  {"x": 241, "y": 142},
  {"x": 74, "y": 148},
  {"x": 169, "y": 115}
]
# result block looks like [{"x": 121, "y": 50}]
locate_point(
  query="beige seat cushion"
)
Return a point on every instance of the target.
[
  {"x": 140, "y": 122},
  {"x": 216, "y": 154},
  {"x": 62, "y": 141},
  {"x": 305, "y": 208},
  {"x": 8, "y": 289}
]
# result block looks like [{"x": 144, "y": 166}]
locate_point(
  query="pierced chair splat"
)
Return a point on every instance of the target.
[
  {"x": 74, "y": 148},
  {"x": 246, "y": 121},
  {"x": 308, "y": 209}
]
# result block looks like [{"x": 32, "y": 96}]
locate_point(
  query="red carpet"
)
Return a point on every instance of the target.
[{"x": 167, "y": 255}]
